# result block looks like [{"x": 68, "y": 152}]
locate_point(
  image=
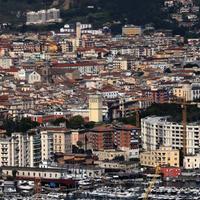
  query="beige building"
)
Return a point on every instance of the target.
[
  {"x": 46, "y": 144},
  {"x": 6, "y": 62},
  {"x": 188, "y": 91},
  {"x": 110, "y": 154},
  {"x": 131, "y": 30},
  {"x": 120, "y": 64},
  {"x": 183, "y": 91},
  {"x": 162, "y": 156},
  {"x": 125, "y": 166},
  {"x": 54, "y": 140},
  {"x": 95, "y": 108},
  {"x": 191, "y": 162}
]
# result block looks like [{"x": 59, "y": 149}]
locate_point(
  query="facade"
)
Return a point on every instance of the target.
[
  {"x": 33, "y": 77},
  {"x": 120, "y": 64},
  {"x": 95, "y": 108},
  {"x": 21, "y": 149},
  {"x": 111, "y": 154},
  {"x": 6, "y": 62},
  {"x": 43, "y": 16},
  {"x": 117, "y": 166},
  {"x": 46, "y": 145},
  {"x": 191, "y": 162},
  {"x": 170, "y": 172},
  {"x": 108, "y": 137},
  {"x": 164, "y": 156},
  {"x": 5, "y": 152},
  {"x": 158, "y": 131},
  {"x": 131, "y": 30},
  {"x": 157, "y": 95},
  {"x": 188, "y": 91},
  {"x": 101, "y": 138},
  {"x": 54, "y": 140},
  {"x": 83, "y": 67}
]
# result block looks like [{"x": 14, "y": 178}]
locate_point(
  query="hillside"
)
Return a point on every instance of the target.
[
  {"x": 15, "y": 11},
  {"x": 114, "y": 13},
  {"x": 136, "y": 11}
]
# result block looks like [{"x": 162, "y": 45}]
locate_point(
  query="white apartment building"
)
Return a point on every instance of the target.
[
  {"x": 21, "y": 150},
  {"x": 43, "y": 16},
  {"x": 5, "y": 152},
  {"x": 158, "y": 131}
]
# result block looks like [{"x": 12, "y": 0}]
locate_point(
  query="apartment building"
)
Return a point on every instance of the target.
[
  {"x": 101, "y": 138},
  {"x": 189, "y": 91},
  {"x": 111, "y": 154},
  {"x": 160, "y": 157},
  {"x": 5, "y": 152},
  {"x": 131, "y": 30},
  {"x": 46, "y": 145},
  {"x": 21, "y": 149},
  {"x": 108, "y": 137},
  {"x": 158, "y": 131},
  {"x": 55, "y": 140},
  {"x": 43, "y": 16},
  {"x": 191, "y": 161}
]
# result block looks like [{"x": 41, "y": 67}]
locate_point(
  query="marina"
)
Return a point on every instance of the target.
[{"x": 107, "y": 188}]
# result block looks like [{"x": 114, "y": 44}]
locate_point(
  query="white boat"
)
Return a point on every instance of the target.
[
  {"x": 25, "y": 185},
  {"x": 85, "y": 184}
]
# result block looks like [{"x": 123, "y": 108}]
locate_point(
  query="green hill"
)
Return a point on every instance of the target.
[
  {"x": 15, "y": 10},
  {"x": 114, "y": 13},
  {"x": 136, "y": 11}
]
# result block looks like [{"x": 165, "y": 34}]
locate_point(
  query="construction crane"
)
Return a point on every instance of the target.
[
  {"x": 183, "y": 103},
  {"x": 184, "y": 123},
  {"x": 37, "y": 184},
  {"x": 152, "y": 183}
]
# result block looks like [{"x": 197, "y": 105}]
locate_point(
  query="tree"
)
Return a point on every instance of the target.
[
  {"x": 26, "y": 124},
  {"x": 167, "y": 71},
  {"x": 119, "y": 158},
  {"x": 58, "y": 121},
  {"x": 89, "y": 125},
  {"x": 76, "y": 122},
  {"x": 89, "y": 152},
  {"x": 22, "y": 125},
  {"x": 79, "y": 144}
]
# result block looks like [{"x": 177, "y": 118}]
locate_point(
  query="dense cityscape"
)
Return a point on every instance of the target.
[{"x": 89, "y": 114}]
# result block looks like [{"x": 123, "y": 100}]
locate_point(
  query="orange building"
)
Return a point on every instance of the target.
[{"x": 113, "y": 137}]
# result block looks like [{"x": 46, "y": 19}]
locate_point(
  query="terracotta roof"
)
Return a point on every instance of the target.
[
  {"x": 103, "y": 128},
  {"x": 74, "y": 64}
]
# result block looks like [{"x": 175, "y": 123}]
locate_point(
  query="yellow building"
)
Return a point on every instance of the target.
[
  {"x": 131, "y": 30},
  {"x": 162, "y": 156},
  {"x": 183, "y": 91},
  {"x": 59, "y": 142},
  {"x": 110, "y": 154},
  {"x": 95, "y": 108}
]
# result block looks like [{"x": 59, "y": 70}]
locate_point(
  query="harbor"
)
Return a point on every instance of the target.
[{"x": 133, "y": 187}]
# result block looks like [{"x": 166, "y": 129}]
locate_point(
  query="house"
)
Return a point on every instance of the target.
[{"x": 33, "y": 77}]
